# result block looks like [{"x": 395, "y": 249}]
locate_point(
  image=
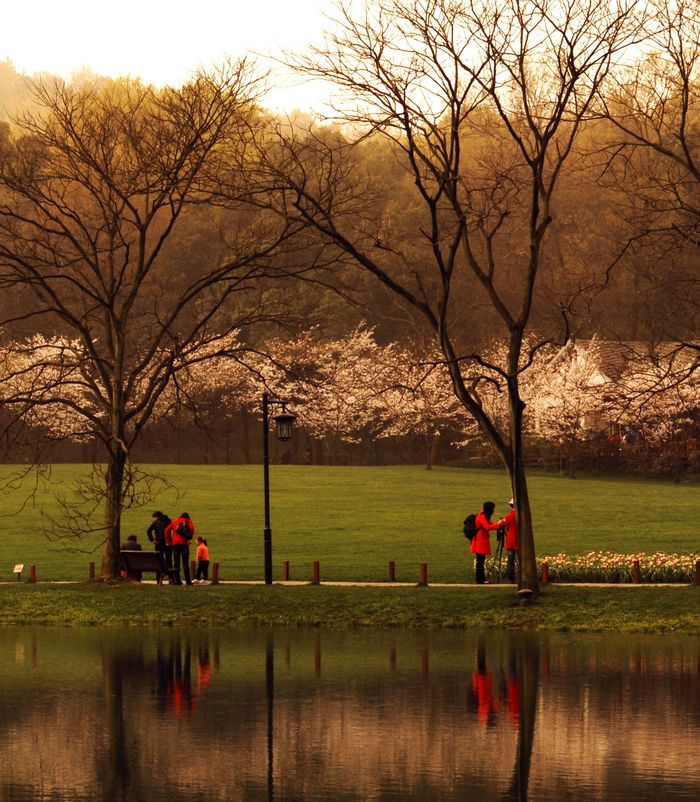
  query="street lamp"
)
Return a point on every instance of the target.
[{"x": 283, "y": 431}]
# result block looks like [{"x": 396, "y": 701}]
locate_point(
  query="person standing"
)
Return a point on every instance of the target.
[
  {"x": 179, "y": 534},
  {"x": 156, "y": 534},
  {"x": 481, "y": 543},
  {"x": 202, "y": 559},
  {"x": 511, "y": 542}
]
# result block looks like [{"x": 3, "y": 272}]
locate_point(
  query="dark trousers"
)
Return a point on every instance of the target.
[
  {"x": 167, "y": 554},
  {"x": 480, "y": 569},
  {"x": 181, "y": 552},
  {"x": 510, "y": 565},
  {"x": 202, "y": 570}
]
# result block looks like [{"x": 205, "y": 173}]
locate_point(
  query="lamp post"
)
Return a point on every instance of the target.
[{"x": 283, "y": 431}]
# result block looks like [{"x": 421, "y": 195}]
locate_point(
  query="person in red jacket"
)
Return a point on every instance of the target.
[
  {"x": 481, "y": 543},
  {"x": 179, "y": 534},
  {"x": 511, "y": 542}
]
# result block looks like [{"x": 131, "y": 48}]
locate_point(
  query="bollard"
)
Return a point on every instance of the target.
[
  {"x": 32, "y": 573},
  {"x": 545, "y": 573},
  {"x": 215, "y": 574},
  {"x": 285, "y": 571},
  {"x": 91, "y": 572},
  {"x": 423, "y": 574},
  {"x": 525, "y": 597},
  {"x": 636, "y": 573},
  {"x": 392, "y": 571},
  {"x": 697, "y": 572},
  {"x": 317, "y": 573}
]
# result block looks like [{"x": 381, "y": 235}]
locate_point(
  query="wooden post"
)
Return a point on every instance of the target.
[
  {"x": 392, "y": 571},
  {"x": 317, "y": 573},
  {"x": 544, "y": 579},
  {"x": 32, "y": 573},
  {"x": 636, "y": 573},
  {"x": 697, "y": 572},
  {"x": 193, "y": 568},
  {"x": 91, "y": 572},
  {"x": 215, "y": 574},
  {"x": 423, "y": 574},
  {"x": 285, "y": 571}
]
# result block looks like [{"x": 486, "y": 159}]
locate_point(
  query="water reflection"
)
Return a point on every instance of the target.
[{"x": 388, "y": 715}]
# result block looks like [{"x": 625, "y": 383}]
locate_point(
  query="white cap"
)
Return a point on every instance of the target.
[{"x": 511, "y": 502}]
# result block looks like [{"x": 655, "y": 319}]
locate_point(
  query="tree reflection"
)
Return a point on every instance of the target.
[
  {"x": 270, "y": 693},
  {"x": 523, "y": 674},
  {"x": 121, "y": 781}
]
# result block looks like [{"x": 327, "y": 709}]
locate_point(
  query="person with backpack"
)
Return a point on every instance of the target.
[
  {"x": 511, "y": 542},
  {"x": 156, "y": 534},
  {"x": 481, "y": 542},
  {"x": 179, "y": 534}
]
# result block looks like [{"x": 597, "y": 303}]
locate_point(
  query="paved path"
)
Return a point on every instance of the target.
[{"x": 291, "y": 583}]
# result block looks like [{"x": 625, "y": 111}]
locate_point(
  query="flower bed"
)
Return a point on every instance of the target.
[{"x": 608, "y": 566}]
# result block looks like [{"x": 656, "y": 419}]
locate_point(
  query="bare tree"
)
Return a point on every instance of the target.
[
  {"x": 482, "y": 103},
  {"x": 92, "y": 188},
  {"x": 653, "y": 158}
]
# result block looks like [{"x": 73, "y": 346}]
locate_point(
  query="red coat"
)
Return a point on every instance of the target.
[
  {"x": 481, "y": 544},
  {"x": 171, "y": 536},
  {"x": 511, "y": 531}
]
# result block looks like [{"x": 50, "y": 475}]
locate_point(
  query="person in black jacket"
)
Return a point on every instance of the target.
[{"x": 156, "y": 534}]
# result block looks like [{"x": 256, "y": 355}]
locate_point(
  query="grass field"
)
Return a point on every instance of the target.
[
  {"x": 354, "y": 520},
  {"x": 559, "y": 608}
]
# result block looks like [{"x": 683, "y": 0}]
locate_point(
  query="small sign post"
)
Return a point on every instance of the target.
[{"x": 18, "y": 570}]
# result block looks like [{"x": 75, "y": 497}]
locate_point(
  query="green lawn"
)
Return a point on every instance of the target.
[
  {"x": 354, "y": 520},
  {"x": 559, "y": 608}
]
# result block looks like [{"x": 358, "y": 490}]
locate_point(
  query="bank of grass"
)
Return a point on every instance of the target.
[
  {"x": 355, "y": 519},
  {"x": 571, "y": 609}
]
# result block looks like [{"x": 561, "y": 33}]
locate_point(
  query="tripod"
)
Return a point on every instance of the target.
[{"x": 495, "y": 563}]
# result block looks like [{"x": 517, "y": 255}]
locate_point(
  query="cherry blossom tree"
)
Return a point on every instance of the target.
[
  {"x": 658, "y": 398},
  {"x": 569, "y": 397},
  {"x": 335, "y": 385},
  {"x": 419, "y": 399}
]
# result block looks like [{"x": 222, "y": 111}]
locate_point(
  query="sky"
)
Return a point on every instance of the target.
[{"x": 162, "y": 41}]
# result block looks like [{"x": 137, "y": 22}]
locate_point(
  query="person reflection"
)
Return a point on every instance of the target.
[
  {"x": 483, "y": 701},
  {"x": 176, "y": 690}
]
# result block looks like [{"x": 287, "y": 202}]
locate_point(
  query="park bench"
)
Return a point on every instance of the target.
[{"x": 136, "y": 562}]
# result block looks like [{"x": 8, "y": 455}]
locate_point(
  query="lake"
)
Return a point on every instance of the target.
[{"x": 347, "y": 715}]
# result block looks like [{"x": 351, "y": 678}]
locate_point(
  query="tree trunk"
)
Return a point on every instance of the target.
[
  {"x": 245, "y": 437},
  {"x": 516, "y": 470},
  {"x": 433, "y": 439},
  {"x": 571, "y": 466},
  {"x": 114, "y": 487}
]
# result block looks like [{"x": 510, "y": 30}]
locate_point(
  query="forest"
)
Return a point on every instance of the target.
[{"x": 487, "y": 254}]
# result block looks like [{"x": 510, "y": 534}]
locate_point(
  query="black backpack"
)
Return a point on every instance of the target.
[
  {"x": 469, "y": 527},
  {"x": 183, "y": 530}
]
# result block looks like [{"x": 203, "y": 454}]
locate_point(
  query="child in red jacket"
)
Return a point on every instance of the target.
[{"x": 202, "y": 558}]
